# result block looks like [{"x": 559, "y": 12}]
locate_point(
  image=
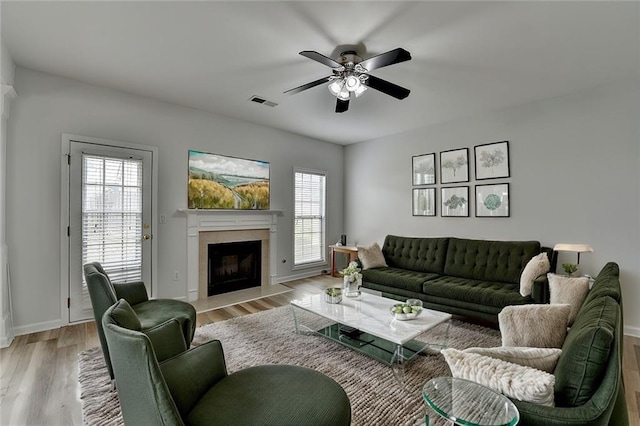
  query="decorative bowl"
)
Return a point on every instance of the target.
[
  {"x": 407, "y": 311},
  {"x": 333, "y": 295}
]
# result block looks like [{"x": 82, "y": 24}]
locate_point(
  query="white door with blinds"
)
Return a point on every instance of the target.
[
  {"x": 109, "y": 218},
  {"x": 309, "y": 221}
]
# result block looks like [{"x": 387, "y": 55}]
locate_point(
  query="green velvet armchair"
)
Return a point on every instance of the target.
[
  {"x": 151, "y": 313},
  {"x": 193, "y": 387}
]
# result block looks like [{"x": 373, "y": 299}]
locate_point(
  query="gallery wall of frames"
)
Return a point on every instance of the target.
[{"x": 438, "y": 182}]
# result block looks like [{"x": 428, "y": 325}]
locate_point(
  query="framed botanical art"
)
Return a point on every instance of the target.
[
  {"x": 454, "y": 166},
  {"x": 455, "y": 201},
  {"x": 492, "y": 160},
  {"x": 424, "y": 201},
  {"x": 492, "y": 200},
  {"x": 423, "y": 169}
]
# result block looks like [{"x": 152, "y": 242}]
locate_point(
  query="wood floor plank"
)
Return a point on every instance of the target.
[{"x": 39, "y": 372}]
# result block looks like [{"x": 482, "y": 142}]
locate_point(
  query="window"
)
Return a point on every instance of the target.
[
  {"x": 112, "y": 215},
  {"x": 309, "y": 220}
]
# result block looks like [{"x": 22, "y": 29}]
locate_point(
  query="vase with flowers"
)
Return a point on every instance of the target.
[{"x": 352, "y": 279}]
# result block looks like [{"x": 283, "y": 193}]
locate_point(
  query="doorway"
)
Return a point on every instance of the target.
[{"x": 110, "y": 193}]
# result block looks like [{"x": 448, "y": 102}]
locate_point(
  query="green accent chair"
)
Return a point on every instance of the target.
[
  {"x": 194, "y": 388},
  {"x": 151, "y": 313}
]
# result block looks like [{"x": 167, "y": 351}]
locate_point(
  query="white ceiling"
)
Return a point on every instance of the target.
[{"x": 468, "y": 57}]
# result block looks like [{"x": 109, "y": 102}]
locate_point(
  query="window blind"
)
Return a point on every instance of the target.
[
  {"x": 309, "y": 226},
  {"x": 112, "y": 216}
]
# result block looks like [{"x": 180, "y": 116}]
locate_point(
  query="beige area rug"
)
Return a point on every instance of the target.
[{"x": 268, "y": 338}]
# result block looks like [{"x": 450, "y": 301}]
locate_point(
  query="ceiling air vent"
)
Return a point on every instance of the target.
[{"x": 263, "y": 101}]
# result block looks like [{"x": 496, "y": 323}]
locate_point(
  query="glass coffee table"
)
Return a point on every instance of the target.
[
  {"x": 467, "y": 403},
  {"x": 365, "y": 324}
]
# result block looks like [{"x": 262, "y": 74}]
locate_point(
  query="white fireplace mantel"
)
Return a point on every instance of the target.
[{"x": 227, "y": 220}]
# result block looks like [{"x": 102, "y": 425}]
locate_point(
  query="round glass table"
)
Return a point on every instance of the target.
[{"x": 468, "y": 403}]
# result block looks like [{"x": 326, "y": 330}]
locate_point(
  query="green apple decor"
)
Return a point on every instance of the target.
[{"x": 408, "y": 310}]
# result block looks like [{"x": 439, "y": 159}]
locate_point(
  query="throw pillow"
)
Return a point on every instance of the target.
[
  {"x": 568, "y": 290},
  {"x": 124, "y": 315},
  {"x": 538, "y": 265},
  {"x": 512, "y": 380},
  {"x": 371, "y": 257},
  {"x": 536, "y": 326},
  {"x": 544, "y": 359}
]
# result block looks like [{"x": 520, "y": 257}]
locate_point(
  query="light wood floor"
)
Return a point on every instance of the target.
[{"x": 39, "y": 372}]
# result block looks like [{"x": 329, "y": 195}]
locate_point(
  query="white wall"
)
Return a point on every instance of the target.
[
  {"x": 7, "y": 72},
  {"x": 575, "y": 167},
  {"x": 49, "y": 106}
]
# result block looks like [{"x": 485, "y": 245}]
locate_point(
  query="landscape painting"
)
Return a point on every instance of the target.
[{"x": 222, "y": 182}]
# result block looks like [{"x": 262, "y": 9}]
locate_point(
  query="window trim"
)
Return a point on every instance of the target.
[{"x": 323, "y": 239}]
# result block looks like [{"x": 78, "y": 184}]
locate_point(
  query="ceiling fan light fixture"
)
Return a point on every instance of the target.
[
  {"x": 360, "y": 90},
  {"x": 352, "y": 83},
  {"x": 344, "y": 94},
  {"x": 336, "y": 86},
  {"x": 338, "y": 89}
]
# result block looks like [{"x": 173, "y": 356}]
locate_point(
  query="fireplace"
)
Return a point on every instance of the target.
[
  {"x": 233, "y": 266},
  {"x": 206, "y": 227}
]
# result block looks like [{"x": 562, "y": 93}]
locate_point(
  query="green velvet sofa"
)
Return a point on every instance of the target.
[
  {"x": 472, "y": 278},
  {"x": 588, "y": 388}
]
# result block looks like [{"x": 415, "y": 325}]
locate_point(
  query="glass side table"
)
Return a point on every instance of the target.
[{"x": 467, "y": 403}]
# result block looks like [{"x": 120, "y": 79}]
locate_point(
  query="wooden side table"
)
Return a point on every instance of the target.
[{"x": 350, "y": 251}]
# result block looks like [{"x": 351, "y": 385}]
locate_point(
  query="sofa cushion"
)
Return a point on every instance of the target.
[
  {"x": 156, "y": 311},
  {"x": 536, "y": 326},
  {"x": 512, "y": 380},
  {"x": 544, "y": 359},
  {"x": 501, "y": 261},
  {"x": 371, "y": 257},
  {"x": 571, "y": 290},
  {"x": 537, "y": 265},
  {"x": 497, "y": 294},
  {"x": 416, "y": 254},
  {"x": 398, "y": 278},
  {"x": 585, "y": 352},
  {"x": 606, "y": 284},
  {"x": 124, "y": 316}
]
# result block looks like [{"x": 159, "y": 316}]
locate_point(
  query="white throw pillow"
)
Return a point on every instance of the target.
[
  {"x": 538, "y": 265},
  {"x": 536, "y": 326},
  {"x": 568, "y": 290},
  {"x": 544, "y": 359},
  {"x": 512, "y": 380},
  {"x": 371, "y": 257}
]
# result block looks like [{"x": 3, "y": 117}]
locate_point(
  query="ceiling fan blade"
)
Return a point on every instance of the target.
[
  {"x": 324, "y": 60},
  {"x": 391, "y": 57},
  {"x": 308, "y": 85},
  {"x": 386, "y": 87},
  {"x": 342, "y": 106}
]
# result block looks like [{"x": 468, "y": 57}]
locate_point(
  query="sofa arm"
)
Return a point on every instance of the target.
[
  {"x": 133, "y": 292},
  {"x": 540, "y": 289},
  {"x": 167, "y": 339},
  {"x": 539, "y": 415},
  {"x": 192, "y": 373}
]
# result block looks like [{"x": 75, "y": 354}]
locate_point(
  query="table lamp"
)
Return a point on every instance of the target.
[{"x": 576, "y": 248}]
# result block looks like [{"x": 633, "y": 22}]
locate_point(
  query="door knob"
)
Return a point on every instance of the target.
[{"x": 146, "y": 236}]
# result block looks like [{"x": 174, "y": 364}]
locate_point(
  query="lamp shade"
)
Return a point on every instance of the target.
[{"x": 576, "y": 248}]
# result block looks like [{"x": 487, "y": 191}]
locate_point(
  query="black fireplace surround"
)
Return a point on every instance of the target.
[{"x": 233, "y": 266}]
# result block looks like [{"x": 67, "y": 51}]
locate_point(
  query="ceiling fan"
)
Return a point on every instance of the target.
[{"x": 351, "y": 76}]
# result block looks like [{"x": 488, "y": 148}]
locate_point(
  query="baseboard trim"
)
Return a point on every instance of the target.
[
  {"x": 6, "y": 330},
  {"x": 37, "y": 327},
  {"x": 300, "y": 275},
  {"x": 632, "y": 331}
]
